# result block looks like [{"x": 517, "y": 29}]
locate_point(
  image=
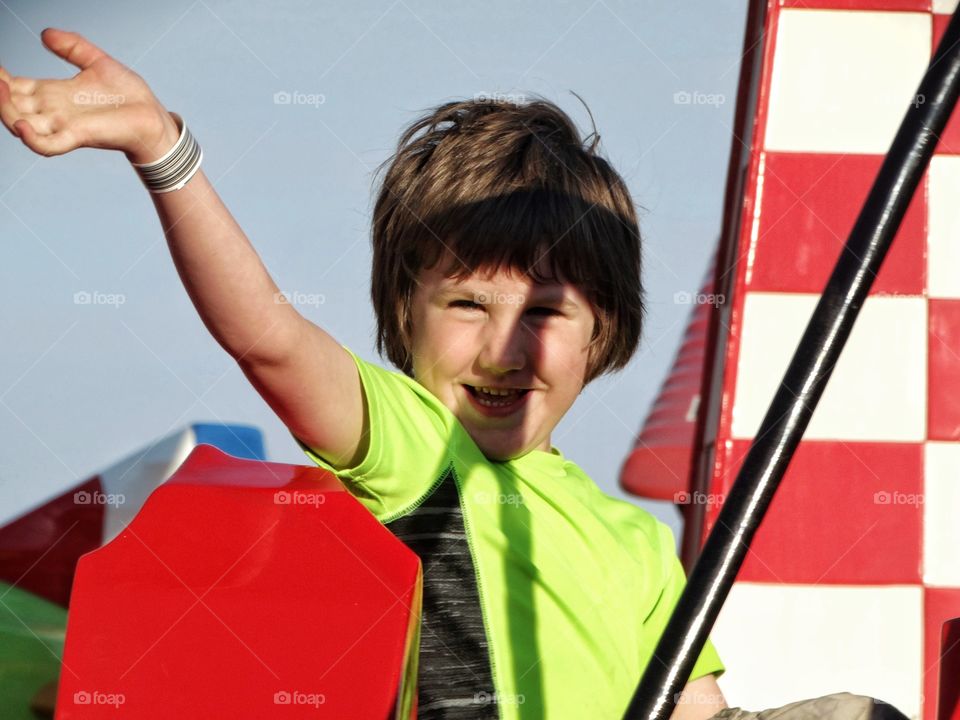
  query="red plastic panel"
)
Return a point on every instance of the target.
[
  {"x": 845, "y": 512},
  {"x": 950, "y": 140},
  {"x": 39, "y": 550},
  {"x": 659, "y": 465},
  {"x": 943, "y": 358},
  {"x": 244, "y": 589},
  {"x": 941, "y": 605},
  {"x": 808, "y": 207},
  {"x": 659, "y": 472}
]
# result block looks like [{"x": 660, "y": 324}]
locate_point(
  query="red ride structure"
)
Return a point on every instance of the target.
[{"x": 234, "y": 593}]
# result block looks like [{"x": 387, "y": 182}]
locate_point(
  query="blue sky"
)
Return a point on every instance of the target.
[{"x": 82, "y": 385}]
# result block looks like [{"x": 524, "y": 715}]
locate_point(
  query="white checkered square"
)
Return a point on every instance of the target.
[
  {"x": 941, "y": 514},
  {"x": 943, "y": 240},
  {"x": 842, "y": 79},
  {"x": 878, "y": 389}
]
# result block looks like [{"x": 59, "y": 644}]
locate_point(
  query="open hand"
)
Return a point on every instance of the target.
[{"x": 106, "y": 105}]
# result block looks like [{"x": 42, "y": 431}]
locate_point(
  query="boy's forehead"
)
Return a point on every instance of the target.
[
  {"x": 443, "y": 275},
  {"x": 442, "y": 282}
]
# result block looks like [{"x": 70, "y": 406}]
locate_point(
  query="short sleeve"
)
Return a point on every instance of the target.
[
  {"x": 675, "y": 580},
  {"x": 410, "y": 436}
]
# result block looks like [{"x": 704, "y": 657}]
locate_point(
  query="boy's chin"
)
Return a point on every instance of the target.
[
  {"x": 495, "y": 456},
  {"x": 502, "y": 452}
]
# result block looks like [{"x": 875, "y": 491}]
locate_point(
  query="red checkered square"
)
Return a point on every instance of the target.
[
  {"x": 950, "y": 140},
  {"x": 943, "y": 357},
  {"x": 808, "y": 207},
  {"x": 845, "y": 512}
]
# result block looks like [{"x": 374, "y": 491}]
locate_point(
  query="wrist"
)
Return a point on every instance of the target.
[
  {"x": 156, "y": 143},
  {"x": 174, "y": 168}
]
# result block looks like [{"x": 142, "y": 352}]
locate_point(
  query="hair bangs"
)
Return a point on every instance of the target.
[{"x": 539, "y": 232}]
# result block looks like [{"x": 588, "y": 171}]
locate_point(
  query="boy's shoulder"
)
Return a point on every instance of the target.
[{"x": 635, "y": 526}]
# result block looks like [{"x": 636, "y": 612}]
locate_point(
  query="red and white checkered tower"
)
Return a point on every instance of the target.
[{"x": 857, "y": 564}]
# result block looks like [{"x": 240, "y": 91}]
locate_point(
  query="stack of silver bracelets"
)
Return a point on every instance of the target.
[{"x": 176, "y": 167}]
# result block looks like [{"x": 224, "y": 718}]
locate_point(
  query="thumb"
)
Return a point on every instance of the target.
[{"x": 72, "y": 47}]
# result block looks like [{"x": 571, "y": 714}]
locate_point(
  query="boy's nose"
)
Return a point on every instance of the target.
[{"x": 503, "y": 350}]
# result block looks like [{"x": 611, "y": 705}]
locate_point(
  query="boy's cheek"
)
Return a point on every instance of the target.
[{"x": 435, "y": 338}]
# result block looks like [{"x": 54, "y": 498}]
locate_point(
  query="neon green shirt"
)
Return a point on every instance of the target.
[{"x": 543, "y": 597}]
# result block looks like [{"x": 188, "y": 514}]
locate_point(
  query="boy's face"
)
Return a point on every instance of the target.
[{"x": 501, "y": 331}]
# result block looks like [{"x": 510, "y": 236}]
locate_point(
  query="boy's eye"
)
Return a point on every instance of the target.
[
  {"x": 544, "y": 311},
  {"x": 470, "y": 305}
]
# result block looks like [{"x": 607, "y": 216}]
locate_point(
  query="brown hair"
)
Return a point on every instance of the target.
[{"x": 495, "y": 184}]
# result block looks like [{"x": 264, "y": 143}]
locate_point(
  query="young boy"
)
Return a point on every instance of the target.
[{"x": 506, "y": 276}]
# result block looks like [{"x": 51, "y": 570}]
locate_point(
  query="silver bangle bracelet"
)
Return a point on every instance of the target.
[{"x": 176, "y": 167}]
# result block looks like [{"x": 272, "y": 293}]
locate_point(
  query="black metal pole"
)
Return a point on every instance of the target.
[{"x": 797, "y": 397}]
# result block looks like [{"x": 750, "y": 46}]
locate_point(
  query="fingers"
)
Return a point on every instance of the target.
[
  {"x": 14, "y": 106},
  {"x": 23, "y": 104},
  {"x": 37, "y": 132},
  {"x": 41, "y": 124},
  {"x": 72, "y": 47},
  {"x": 49, "y": 145},
  {"x": 25, "y": 86},
  {"x": 8, "y": 112}
]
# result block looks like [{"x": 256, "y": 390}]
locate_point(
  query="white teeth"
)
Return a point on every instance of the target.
[
  {"x": 494, "y": 403},
  {"x": 496, "y": 391},
  {"x": 513, "y": 395}
]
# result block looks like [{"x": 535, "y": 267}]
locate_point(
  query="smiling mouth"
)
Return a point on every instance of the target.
[{"x": 496, "y": 400}]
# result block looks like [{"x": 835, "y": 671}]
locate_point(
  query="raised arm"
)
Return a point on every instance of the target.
[{"x": 308, "y": 379}]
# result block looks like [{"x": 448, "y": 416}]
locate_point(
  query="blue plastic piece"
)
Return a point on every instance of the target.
[{"x": 241, "y": 441}]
